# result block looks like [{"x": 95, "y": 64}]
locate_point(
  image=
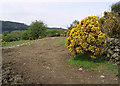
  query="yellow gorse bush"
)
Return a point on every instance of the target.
[
  {"x": 86, "y": 37},
  {"x": 64, "y": 33},
  {"x": 61, "y": 35},
  {"x": 57, "y": 33},
  {"x": 68, "y": 32}
]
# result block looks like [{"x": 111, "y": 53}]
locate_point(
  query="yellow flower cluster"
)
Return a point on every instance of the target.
[
  {"x": 65, "y": 33},
  {"x": 40, "y": 37},
  {"x": 86, "y": 37},
  {"x": 61, "y": 35},
  {"x": 2, "y": 41},
  {"x": 68, "y": 32},
  {"x": 57, "y": 34}
]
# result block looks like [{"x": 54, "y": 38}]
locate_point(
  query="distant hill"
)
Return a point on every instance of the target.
[
  {"x": 11, "y": 26},
  {"x": 52, "y": 28}
]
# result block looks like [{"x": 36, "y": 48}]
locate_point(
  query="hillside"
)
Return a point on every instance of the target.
[{"x": 11, "y": 26}]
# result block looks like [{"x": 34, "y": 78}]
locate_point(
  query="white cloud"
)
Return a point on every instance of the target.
[{"x": 52, "y": 12}]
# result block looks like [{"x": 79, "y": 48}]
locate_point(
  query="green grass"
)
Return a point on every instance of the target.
[
  {"x": 52, "y": 32},
  {"x": 85, "y": 61},
  {"x": 14, "y": 43},
  {"x": 61, "y": 40},
  {"x": 94, "y": 65}
]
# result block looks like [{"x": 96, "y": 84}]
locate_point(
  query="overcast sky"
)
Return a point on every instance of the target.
[{"x": 55, "y": 13}]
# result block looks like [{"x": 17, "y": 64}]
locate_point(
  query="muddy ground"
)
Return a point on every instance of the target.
[{"x": 45, "y": 62}]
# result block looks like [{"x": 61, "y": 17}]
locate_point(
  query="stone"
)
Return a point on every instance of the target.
[
  {"x": 24, "y": 63},
  {"x": 110, "y": 39},
  {"x": 110, "y": 51},
  {"x": 18, "y": 45},
  {"x": 116, "y": 47},
  {"x": 48, "y": 68},
  {"x": 116, "y": 50},
  {"x": 117, "y": 58},
  {"x": 11, "y": 79},
  {"x": 91, "y": 76},
  {"x": 102, "y": 76},
  {"x": 111, "y": 43},
  {"x": 115, "y": 55},
  {"x": 103, "y": 81},
  {"x": 118, "y": 62},
  {"x": 80, "y": 69},
  {"x": 116, "y": 40},
  {"x": 119, "y": 44},
  {"x": 112, "y": 47}
]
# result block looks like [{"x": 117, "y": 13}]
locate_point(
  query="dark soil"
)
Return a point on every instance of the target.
[{"x": 45, "y": 62}]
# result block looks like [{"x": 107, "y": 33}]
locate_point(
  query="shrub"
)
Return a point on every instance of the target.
[
  {"x": 68, "y": 32},
  {"x": 65, "y": 33},
  {"x": 17, "y": 35},
  {"x": 13, "y": 36},
  {"x": 5, "y": 33},
  {"x": 25, "y": 35},
  {"x": 110, "y": 24},
  {"x": 2, "y": 42},
  {"x": 86, "y": 38},
  {"x": 5, "y": 38},
  {"x": 116, "y": 7},
  {"x": 9, "y": 38},
  {"x": 36, "y": 29},
  {"x": 52, "y": 32},
  {"x": 73, "y": 23},
  {"x": 57, "y": 34},
  {"x": 61, "y": 35}
]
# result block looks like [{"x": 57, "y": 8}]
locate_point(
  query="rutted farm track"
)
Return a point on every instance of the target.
[{"x": 45, "y": 62}]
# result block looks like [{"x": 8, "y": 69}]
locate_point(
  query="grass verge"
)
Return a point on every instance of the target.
[
  {"x": 95, "y": 65},
  {"x": 15, "y": 43},
  {"x": 61, "y": 40}
]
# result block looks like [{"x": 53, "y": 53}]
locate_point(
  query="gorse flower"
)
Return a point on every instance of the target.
[{"x": 86, "y": 37}]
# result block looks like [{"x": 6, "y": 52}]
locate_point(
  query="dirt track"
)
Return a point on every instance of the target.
[{"x": 45, "y": 62}]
